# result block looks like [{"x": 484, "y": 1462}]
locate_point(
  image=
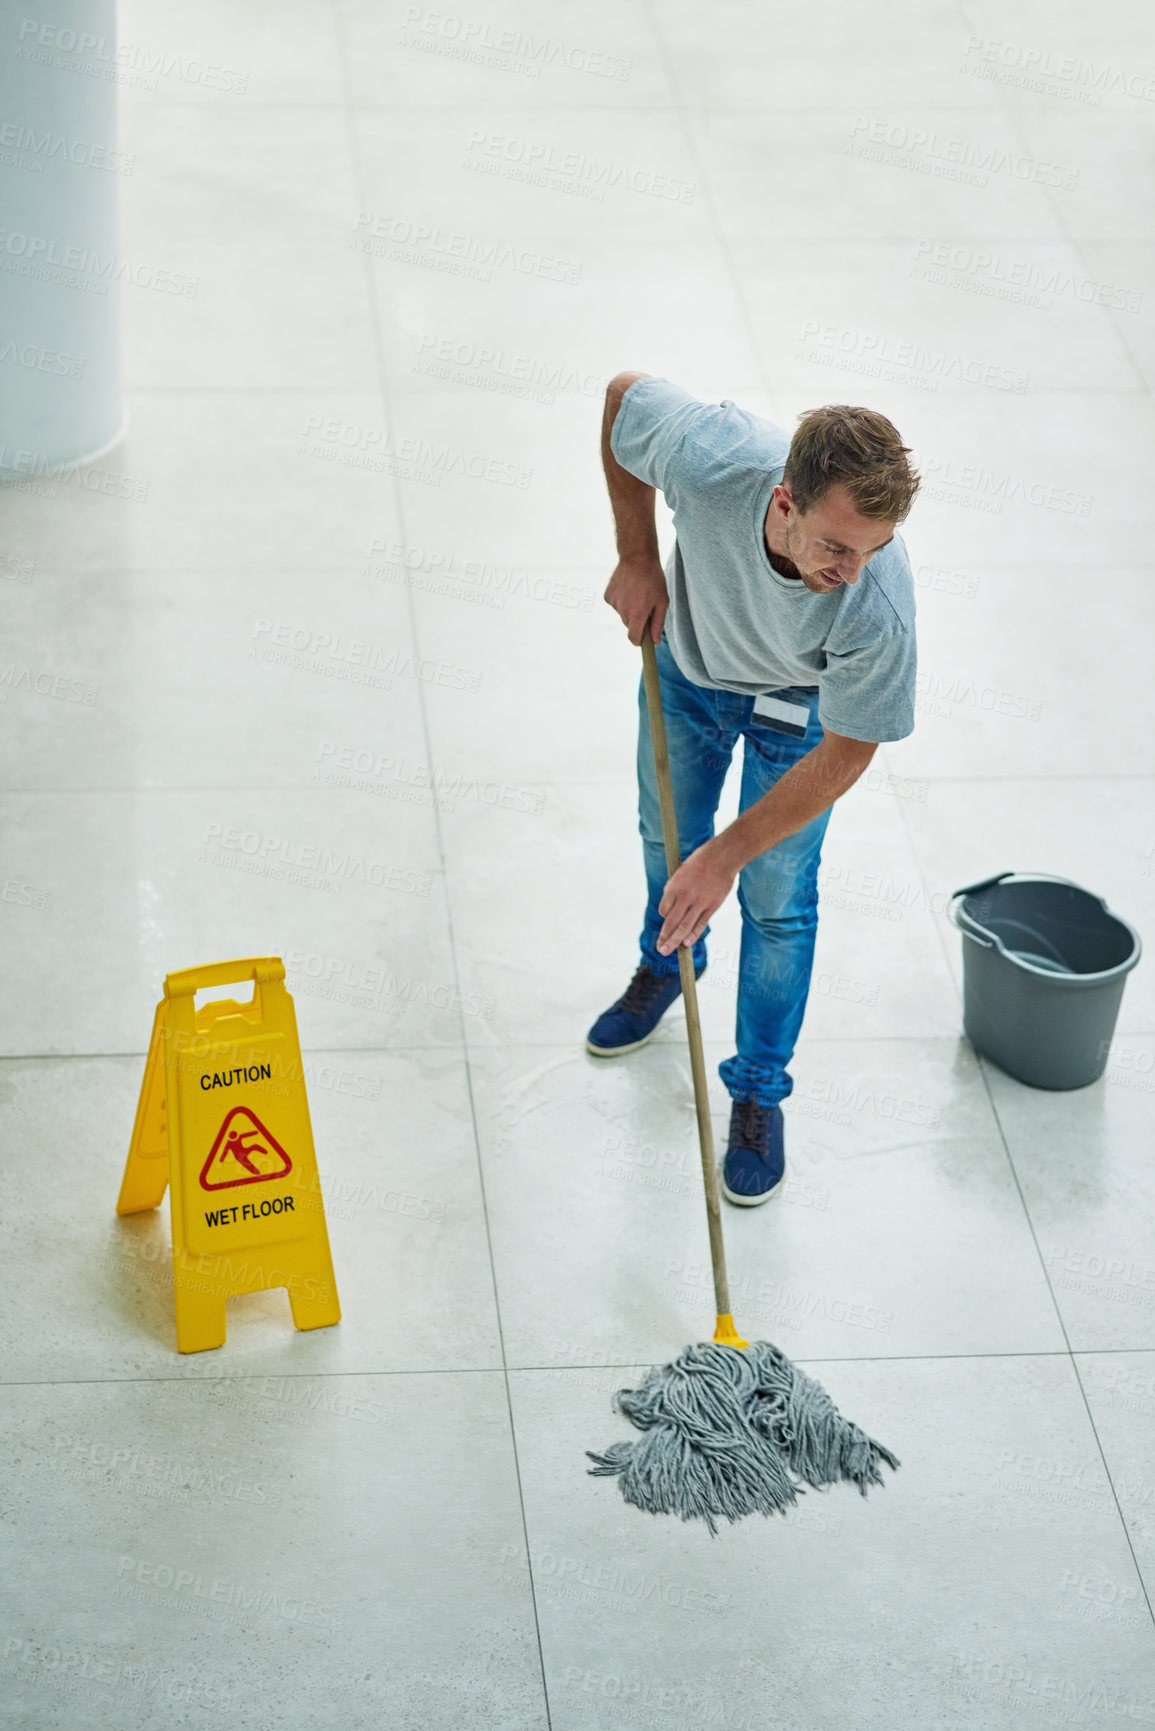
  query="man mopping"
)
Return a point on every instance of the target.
[{"x": 784, "y": 618}]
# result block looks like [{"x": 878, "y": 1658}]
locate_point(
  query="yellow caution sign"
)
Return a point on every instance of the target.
[{"x": 224, "y": 1120}]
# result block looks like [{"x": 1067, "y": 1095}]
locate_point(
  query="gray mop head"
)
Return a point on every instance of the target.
[{"x": 731, "y": 1432}]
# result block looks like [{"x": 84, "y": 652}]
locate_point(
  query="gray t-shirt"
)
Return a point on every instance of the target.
[{"x": 736, "y": 624}]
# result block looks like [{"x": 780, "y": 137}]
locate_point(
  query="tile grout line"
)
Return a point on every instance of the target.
[
  {"x": 627, "y": 1365},
  {"x": 370, "y": 280},
  {"x": 1070, "y": 1354},
  {"x": 342, "y": 105},
  {"x": 402, "y": 1050},
  {"x": 587, "y": 567},
  {"x": 580, "y": 781}
]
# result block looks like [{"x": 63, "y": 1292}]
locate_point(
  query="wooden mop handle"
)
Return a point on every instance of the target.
[{"x": 689, "y": 988}]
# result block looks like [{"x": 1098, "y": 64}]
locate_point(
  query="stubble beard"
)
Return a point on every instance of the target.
[{"x": 812, "y": 580}]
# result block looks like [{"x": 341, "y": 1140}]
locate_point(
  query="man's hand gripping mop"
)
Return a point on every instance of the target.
[{"x": 729, "y": 1428}]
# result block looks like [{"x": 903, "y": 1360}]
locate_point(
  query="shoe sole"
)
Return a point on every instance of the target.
[
  {"x": 750, "y": 1201},
  {"x": 619, "y": 1051}
]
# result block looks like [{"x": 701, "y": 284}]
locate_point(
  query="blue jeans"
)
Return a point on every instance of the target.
[{"x": 777, "y": 891}]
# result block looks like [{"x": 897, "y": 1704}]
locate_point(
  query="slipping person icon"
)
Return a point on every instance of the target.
[{"x": 235, "y": 1145}]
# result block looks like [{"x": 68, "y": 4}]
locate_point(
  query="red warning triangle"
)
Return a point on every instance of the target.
[{"x": 243, "y": 1153}]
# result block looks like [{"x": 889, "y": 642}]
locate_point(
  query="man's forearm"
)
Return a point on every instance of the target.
[
  {"x": 631, "y": 500},
  {"x": 803, "y": 794}
]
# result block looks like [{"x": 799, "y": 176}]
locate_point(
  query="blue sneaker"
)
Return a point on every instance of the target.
[
  {"x": 755, "y": 1162},
  {"x": 629, "y": 1023}
]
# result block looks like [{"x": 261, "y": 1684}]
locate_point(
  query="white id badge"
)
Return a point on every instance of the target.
[{"x": 784, "y": 717}]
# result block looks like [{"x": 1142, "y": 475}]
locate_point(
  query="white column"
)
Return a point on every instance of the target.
[{"x": 60, "y": 174}]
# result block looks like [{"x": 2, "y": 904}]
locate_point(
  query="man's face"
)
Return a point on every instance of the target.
[{"x": 830, "y": 543}]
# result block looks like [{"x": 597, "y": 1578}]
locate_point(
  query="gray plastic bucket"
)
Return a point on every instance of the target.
[{"x": 1044, "y": 964}]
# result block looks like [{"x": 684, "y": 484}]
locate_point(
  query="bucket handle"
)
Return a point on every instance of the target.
[
  {"x": 980, "y": 935},
  {"x": 956, "y": 916},
  {"x": 971, "y": 928}
]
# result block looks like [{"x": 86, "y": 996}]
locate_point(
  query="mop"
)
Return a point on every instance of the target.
[{"x": 729, "y": 1428}]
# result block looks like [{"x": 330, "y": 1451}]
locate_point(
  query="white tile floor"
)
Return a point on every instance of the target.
[{"x": 389, "y": 1523}]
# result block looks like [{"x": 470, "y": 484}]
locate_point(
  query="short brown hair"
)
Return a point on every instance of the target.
[{"x": 858, "y": 449}]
